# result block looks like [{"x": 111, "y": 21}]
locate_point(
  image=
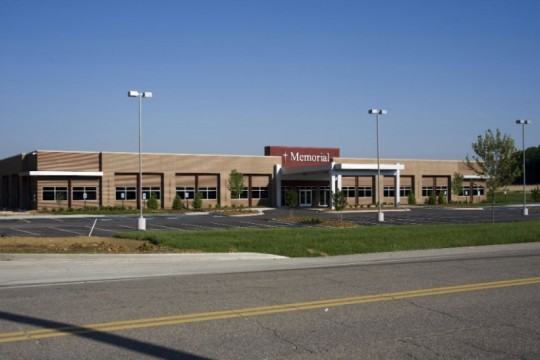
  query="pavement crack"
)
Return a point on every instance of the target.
[
  {"x": 453, "y": 317},
  {"x": 276, "y": 334}
]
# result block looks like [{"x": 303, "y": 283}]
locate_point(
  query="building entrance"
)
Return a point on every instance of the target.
[
  {"x": 306, "y": 195},
  {"x": 324, "y": 196}
]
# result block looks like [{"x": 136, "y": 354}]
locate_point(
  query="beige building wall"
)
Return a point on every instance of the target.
[{"x": 167, "y": 172}]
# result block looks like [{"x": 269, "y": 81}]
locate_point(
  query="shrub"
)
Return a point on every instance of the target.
[
  {"x": 152, "y": 203},
  {"x": 177, "y": 204},
  {"x": 441, "y": 199},
  {"x": 432, "y": 200},
  {"x": 197, "y": 201},
  {"x": 411, "y": 198},
  {"x": 535, "y": 194}
]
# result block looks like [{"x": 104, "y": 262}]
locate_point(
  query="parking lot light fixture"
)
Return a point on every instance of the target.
[
  {"x": 141, "y": 225},
  {"x": 523, "y": 122},
  {"x": 380, "y": 214}
]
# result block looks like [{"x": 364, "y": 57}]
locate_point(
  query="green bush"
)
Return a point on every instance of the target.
[
  {"x": 197, "y": 201},
  {"x": 432, "y": 200},
  {"x": 411, "y": 198},
  {"x": 152, "y": 203},
  {"x": 441, "y": 199},
  {"x": 177, "y": 204},
  {"x": 535, "y": 194}
]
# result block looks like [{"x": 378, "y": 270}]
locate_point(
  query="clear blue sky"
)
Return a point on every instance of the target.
[{"x": 230, "y": 77}]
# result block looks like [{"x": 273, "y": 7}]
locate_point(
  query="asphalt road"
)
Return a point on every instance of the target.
[
  {"x": 109, "y": 225},
  {"x": 485, "y": 306}
]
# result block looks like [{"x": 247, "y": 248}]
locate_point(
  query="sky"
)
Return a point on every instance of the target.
[{"x": 232, "y": 76}]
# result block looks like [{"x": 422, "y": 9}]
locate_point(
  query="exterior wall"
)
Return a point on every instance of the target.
[
  {"x": 168, "y": 174},
  {"x": 420, "y": 173},
  {"x": 171, "y": 170}
]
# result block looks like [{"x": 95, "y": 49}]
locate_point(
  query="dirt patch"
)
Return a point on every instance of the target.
[{"x": 77, "y": 245}]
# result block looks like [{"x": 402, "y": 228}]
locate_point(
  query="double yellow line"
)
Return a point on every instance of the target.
[{"x": 263, "y": 310}]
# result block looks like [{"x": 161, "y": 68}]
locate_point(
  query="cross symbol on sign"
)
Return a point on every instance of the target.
[{"x": 285, "y": 155}]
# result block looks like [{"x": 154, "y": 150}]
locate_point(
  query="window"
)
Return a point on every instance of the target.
[
  {"x": 55, "y": 193},
  {"x": 427, "y": 190},
  {"x": 149, "y": 190},
  {"x": 183, "y": 190},
  {"x": 404, "y": 191},
  {"x": 478, "y": 190},
  {"x": 208, "y": 192},
  {"x": 389, "y": 191},
  {"x": 126, "y": 193},
  {"x": 259, "y": 192},
  {"x": 348, "y": 191},
  {"x": 364, "y": 191},
  {"x": 443, "y": 189},
  {"x": 244, "y": 193},
  {"x": 79, "y": 191}
]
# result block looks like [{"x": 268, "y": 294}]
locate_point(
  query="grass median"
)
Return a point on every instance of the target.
[{"x": 306, "y": 242}]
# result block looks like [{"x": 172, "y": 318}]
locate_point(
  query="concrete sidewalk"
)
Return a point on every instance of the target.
[{"x": 41, "y": 269}]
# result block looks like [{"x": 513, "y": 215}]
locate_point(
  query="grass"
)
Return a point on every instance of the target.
[{"x": 308, "y": 242}]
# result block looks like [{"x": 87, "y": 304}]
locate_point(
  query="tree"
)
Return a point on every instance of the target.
[
  {"x": 177, "y": 204},
  {"x": 291, "y": 200},
  {"x": 235, "y": 184},
  {"x": 532, "y": 166},
  {"x": 495, "y": 161},
  {"x": 339, "y": 201},
  {"x": 457, "y": 183}
]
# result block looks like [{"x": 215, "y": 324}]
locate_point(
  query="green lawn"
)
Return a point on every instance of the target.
[{"x": 304, "y": 242}]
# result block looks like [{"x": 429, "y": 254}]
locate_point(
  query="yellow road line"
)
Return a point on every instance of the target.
[{"x": 263, "y": 310}]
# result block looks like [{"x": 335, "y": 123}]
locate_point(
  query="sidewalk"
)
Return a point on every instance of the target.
[{"x": 41, "y": 269}]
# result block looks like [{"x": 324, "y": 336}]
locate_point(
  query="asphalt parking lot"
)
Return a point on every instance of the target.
[{"x": 61, "y": 226}]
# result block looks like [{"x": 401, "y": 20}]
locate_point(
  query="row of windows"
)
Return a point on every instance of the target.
[
  {"x": 367, "y": 191},
  {"x": 130, "y": 192},
  {"x": 188, "y": 192},
  {"x": 257, "y": 192},
  {"x": 60, "y": 193}
]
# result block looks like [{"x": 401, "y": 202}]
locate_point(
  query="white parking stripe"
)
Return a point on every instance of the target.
[
  {"x": 169, "y": 227},
  {"x": 27, "y": 232},
  {"x": 68, "y": 231}
]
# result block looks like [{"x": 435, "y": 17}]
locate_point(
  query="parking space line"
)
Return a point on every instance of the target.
[
  {"x": 68, "y": 231},
  {"x": 27, "y": 232},
  {"x": 169, "y": 227}
]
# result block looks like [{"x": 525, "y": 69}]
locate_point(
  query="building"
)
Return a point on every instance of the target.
[{"x": 72, "y": 179}]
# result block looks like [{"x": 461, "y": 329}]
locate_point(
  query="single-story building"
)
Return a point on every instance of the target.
[{"x": 72, "y": 179}]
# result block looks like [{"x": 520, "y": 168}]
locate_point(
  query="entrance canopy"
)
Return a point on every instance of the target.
[{"x": 332, "y": 174}]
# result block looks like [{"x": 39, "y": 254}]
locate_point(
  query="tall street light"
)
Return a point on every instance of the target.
[
  {"x": 523, "y": 123},
  {"x": 376, "y": 112},
  {"x": 141, "y": 225}
]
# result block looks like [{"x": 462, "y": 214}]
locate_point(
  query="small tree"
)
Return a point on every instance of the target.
[
  {"x": 291, "y": 200},
  {"x": 177, "y": 204},
  {"x": 432, "y": 200},
  {"x": 495, "y": 161},
  {"x": 339, "y": 201},
  {"x": 152, "y": 203},
  {"x": 457, "y": 183},
  {"x": 235, "y": 184},
  {"x": 197, "y": 201}
]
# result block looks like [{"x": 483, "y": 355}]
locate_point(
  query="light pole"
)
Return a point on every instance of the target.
[
  {"x": 141, "y": 225},
  {"x": 523, "y": 123},
  {"x": 376, "y": 112}
]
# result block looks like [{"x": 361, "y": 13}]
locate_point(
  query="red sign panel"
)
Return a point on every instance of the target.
[{"x": 302, "y": 156}]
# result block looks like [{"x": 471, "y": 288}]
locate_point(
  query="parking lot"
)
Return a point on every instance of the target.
[{"x": 60, "y": 226}]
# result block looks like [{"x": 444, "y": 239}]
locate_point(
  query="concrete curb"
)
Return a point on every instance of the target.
[{"x": 36, "y": 269}]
